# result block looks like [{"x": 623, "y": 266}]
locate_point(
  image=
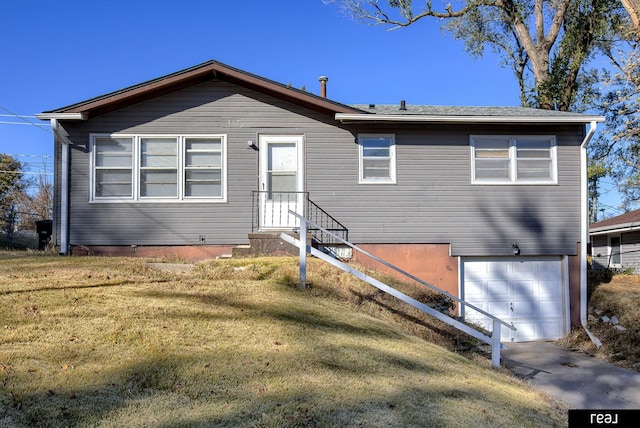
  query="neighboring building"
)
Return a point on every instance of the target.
[
  {"x": 615, "y": 242},
  {"x": 487, "y": 203}
]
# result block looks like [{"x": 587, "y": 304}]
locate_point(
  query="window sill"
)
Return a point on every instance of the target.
[
  {"x": 159, "y": 201},
  {"x": 515, "y": 183}
]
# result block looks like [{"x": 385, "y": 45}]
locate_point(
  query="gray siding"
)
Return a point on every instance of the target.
[
  {"x": 435, "y": 202},
  {"x": 600, "y": 251},
  {"x": 629, "y": 251},
  {"x": 210, "y": 108},
  {"x": 432, "y": 202}
]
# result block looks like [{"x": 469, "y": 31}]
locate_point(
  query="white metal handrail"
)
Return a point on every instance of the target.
[
  {"x": 408, "y": 275},
  {"x": 493, "y": 340}
]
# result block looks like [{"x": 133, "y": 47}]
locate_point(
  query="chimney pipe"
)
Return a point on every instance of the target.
[
  {"x": 403, "y": 105},
  {"x": 323, "y": 86}
]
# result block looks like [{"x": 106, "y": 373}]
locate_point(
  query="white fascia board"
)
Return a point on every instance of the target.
[
  {"x": 620, "y": 228},
  {"x": 350, "y": 117},
  {"x": 62, "y": 116}
]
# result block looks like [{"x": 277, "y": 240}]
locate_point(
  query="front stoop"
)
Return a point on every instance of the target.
[{"x": 268, "y": 244}]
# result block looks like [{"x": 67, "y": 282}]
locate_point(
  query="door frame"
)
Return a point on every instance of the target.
[
  {"x": 263, "y": 142},
  {"x": 610, "y": 249}
]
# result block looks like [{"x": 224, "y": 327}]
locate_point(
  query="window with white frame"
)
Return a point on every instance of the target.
[
  {"x": 504, "y": 159},
  {"x": 377, "y": 158},
  {"x": 158, "y": 168},
  {"x": 112, "y": 167}
]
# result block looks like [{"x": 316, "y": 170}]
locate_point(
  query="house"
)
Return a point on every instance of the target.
[
  {"x": 487, "y": 203},
  {"x": 615, "y": 242}
]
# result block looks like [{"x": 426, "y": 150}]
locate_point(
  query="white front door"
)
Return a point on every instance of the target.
[
  {"x": 281, "y": 181},
  {"x": 525, "y": 292}
]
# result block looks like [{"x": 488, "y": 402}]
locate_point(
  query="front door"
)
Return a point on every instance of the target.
[{"x": 281, "y": 181}]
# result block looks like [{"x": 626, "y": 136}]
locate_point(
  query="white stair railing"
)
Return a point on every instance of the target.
[{"x": 493, "y": 340}]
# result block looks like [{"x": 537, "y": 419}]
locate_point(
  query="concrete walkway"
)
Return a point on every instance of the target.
[{"x": 581, "y": 381}]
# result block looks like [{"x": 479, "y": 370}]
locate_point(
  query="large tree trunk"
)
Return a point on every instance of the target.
[{"x": 633, "y": 8}]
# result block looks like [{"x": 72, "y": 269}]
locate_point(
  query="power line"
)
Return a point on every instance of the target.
[
  {"x": 22, "y": 118},
  {"x": 17, "y": 115},
  {"x": 29, "y": 156},
  {"x": 27, "y": 172},
  {"x": 5, "y": 122}
]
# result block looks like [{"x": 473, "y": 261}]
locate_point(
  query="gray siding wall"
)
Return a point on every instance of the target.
[
  {"x": 435, "y": 202},
  {"x": 629, "y": 251},
  {"x": 600, "y": 251},
  {"x": 210, "y": 108},
  {"x": 432, "y": 202}
]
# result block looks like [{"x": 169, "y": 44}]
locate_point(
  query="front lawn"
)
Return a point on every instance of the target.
[{"x": 114, "y": 342}]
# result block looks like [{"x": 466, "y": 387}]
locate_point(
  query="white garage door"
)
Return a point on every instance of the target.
[{"x": 525, "y": 292}]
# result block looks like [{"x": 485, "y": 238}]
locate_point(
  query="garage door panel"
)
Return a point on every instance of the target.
[
  {"x": 549, "y": 270},
  {"x": 527, "y": 292},
  {"x": 499, "y": 309},
  {"x": 549, "y": 288},
  {"x": 524, "y": 308},
  {"x": 476, "y": 270},
  {"x": 475, "y": 288},
  {"x": 550, "y": 308},
  {"x": 550, "y": 330},
  {"x": 525, "y": 331},
  {"x": 471, "y": 314},
  {"x": 497, "y": 289},
  {"x": 523, "y": 288},
  {"x": 522, "y": 268}
]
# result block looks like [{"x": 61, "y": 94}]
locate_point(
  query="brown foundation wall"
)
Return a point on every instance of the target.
[
  {"x": 429, "y": 262},
  {"x": 574, "y": 289},
  {"x": 187, "y": 252}
]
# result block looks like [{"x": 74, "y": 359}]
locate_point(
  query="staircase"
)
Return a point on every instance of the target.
[{"x": 263, "y": 240}]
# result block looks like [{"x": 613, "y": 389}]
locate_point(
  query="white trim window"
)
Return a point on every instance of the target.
[
  {"x": 505, "y": 159},
  {"x": 158, "y": 168},
  {"x": 112, "y": 167},
  {"x": 377, "y": 158}
]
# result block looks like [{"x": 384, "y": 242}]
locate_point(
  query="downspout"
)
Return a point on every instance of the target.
[
  {"x": 64, "y": 188},
  {"x": 584, "y": 232}
]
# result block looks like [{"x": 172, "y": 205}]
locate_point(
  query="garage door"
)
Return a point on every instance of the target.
[{"x": 525, "y": 292}]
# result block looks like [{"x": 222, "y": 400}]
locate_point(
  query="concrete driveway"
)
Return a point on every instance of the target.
[{"x": 581, "y": 381}]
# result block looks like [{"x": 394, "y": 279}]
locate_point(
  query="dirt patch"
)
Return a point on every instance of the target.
[
  {"x": 614, "y": 318},
  {"x": 172, "y": 267}
]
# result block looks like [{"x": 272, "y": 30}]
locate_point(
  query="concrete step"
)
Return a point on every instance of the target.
[{"x": 267, "y": 244}]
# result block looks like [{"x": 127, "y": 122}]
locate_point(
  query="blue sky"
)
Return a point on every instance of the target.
[{"x": 58, "y": 53}]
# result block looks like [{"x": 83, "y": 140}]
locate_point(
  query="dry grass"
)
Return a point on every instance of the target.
[
  {"x": 620, "y": 296},
  {"x": 114, "y": 342}
]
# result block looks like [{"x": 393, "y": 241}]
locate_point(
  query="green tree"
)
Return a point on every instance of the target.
[
  {"x": 546, "y": 43},
  {"x": 11, "y": 184},
  {"x": 621, "y": 107},
  {"x": 600, "y": 165}
]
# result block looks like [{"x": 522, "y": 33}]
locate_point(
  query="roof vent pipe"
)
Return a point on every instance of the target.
[
  {"x": 403, "y": 105},
  {"x": 323, "y": 86}
]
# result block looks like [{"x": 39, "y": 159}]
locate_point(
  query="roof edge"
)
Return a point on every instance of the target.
[
  {"x": 604, "y": 230},
  {"x": 191, "y": 76},
  {"x": 364, "y": 117},
  {"x": 61, "y": 116}
]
